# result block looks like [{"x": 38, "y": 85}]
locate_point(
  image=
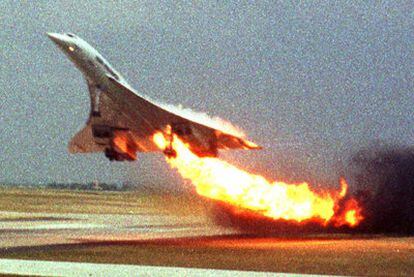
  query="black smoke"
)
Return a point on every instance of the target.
[
  {"x": 381, "y": 178},
  {"x": 384, "y": 179}
]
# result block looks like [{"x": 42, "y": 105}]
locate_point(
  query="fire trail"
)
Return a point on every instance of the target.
[{"x": 217, "y": 179}]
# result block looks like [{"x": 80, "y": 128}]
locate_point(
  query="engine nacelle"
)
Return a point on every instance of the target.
[
  {"x": 120, "y": 145},
  {"x": 200, "y": 143},
  {"x": 211, "y": 152}
]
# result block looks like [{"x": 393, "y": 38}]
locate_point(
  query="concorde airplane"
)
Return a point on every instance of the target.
[{"x": 122, "y": 122}]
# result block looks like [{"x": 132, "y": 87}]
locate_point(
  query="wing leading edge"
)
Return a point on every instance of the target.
[{"x": 148, "y": 117}]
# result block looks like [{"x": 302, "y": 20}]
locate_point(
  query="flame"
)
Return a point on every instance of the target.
[
  {"x": 121, "y": 143},
  {"x": 344, "y": 187},
  {"x": 219, "y": 180},
  {"x": 351, "y": 215}
]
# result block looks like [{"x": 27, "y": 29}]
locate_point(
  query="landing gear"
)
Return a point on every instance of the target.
[
  {"x": 170, "y": 153},
  {"x": 110, "y": 154},
  {"x": 169, "y": 150},
  {"x": 113, "y": 155}
]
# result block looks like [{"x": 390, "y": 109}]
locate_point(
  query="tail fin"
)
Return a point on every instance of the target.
[{"x": 83, "y": 142}]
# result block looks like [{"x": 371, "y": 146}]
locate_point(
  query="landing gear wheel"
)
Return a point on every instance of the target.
[
  {"x": 170, "y": 153},
  {"x": 109, "y": 154},
  {"x": 169, "y": 150}
]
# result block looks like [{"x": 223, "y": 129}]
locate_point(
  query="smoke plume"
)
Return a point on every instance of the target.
[
  {"x": 384, "y": 178},
  {"x": 381, "y": 179}
]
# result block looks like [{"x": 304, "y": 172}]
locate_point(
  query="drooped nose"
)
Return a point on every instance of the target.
[{"x": 57, "y": 38}]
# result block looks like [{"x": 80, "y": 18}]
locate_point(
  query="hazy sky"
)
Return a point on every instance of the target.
[{"x": 311, "y": 82}]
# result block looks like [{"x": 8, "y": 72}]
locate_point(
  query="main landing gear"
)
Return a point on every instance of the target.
[
  {"x": 170, "y": 153},
  {"x": 169, "y": 150}
]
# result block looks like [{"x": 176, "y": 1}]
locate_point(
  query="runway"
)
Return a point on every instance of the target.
[
  {"x": 44, "y": 268},
  {"x": 42, "y": 231},
  {"x": 19, "y": 229},
  {"x": 103, "y": 231}
]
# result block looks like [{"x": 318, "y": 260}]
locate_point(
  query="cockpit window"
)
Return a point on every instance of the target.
[
  {"x": 70, "y": 35},
  {"x": 112, "y": 72},
  {"x": 100, "y": 60},
  {"x": 108, "y": 68},
  {"x": 115, "y": 76}
]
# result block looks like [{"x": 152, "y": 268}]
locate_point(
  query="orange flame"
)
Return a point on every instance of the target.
[
  {"x": 121, "y": 143},
  {"x": 351, "y": 215},
  {"x": 219, "y": 180}
]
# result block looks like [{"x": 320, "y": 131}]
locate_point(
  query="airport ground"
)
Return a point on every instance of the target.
[{"x": 176, "y": 230}]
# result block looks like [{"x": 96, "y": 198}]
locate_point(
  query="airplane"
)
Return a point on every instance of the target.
[{"x": 122, "y": 122}]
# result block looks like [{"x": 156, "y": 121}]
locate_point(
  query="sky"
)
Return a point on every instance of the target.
[{"x": 312, "y": 82}]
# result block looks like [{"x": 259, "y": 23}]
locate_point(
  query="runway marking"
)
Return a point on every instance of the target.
[
  {"x": 48, "y": 268},
  {"x": 52, "y": 226},
  {"x": 34, "y": 219},
  {"x": 80, "y": 226}
]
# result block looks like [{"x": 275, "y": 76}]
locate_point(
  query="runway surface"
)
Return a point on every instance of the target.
[
  {"x": 100, "y": 231},
  {"x": 44, "y": 268},
  {"x": 19, "y": 229},
  {"x": 34, "y": 231}
]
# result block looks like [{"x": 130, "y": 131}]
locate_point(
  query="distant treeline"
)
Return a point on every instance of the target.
[{"x": 89, "y": 186}]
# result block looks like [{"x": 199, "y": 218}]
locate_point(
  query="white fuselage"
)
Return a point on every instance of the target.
[
  {"x": 93, "y": 66},
  {"x": 122, "y": 122}
]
